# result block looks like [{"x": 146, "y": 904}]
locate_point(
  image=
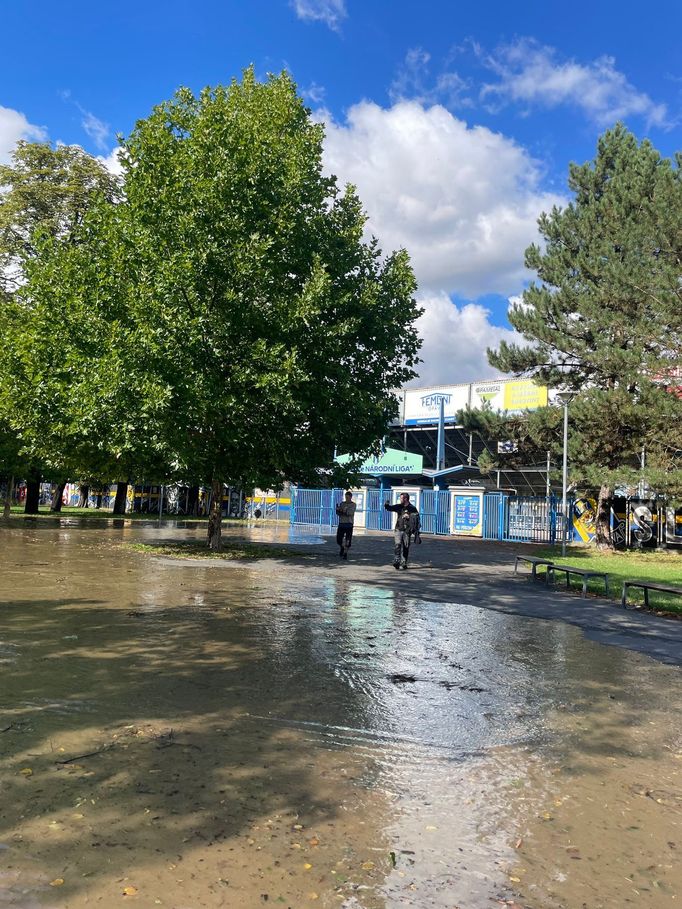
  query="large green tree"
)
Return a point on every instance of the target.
[
  {"x": 278, "y": 330},
  {"x": 233, "y": 291},
  {"x": 82, "y": 398},
  {"x": 45, "y": 194},
  {"x": 604, "y": 318}
]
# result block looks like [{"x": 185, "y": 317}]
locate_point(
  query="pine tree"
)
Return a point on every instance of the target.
[{"x": 604, "y": 318}]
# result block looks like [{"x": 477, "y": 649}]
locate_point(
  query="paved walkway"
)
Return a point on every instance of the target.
[{"x": 482, "y": 574}]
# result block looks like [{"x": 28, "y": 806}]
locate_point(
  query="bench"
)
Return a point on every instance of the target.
[
  {"x": 533, "y": 562},
  {"x": 646, "y": 586},
  {"x": 583, "y": 573}
]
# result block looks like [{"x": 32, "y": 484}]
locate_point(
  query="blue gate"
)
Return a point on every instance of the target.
[
  {"x": 434, "y": 511},
  {"x": 519, "y": 519},
  {"x": 314, "y": 506},
  {"x": 376, "y": 516},
  {"x": 530, "y": 519},
  {"x": 494, "y": 510}
]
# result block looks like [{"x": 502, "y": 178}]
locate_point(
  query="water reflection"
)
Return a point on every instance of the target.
[{"x": 256, "y": 720}]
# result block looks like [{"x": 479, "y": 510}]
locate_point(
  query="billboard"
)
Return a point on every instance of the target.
[
  {"x": 466, "y": 511},
  {"x": 490, "y": 393},
  {"x": 510, "y": 396},
  {"x": 524, "y": 394},
  {"x": 422, "y": 405}
]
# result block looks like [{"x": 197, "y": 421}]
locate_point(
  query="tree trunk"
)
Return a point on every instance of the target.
[
  {"x": 8, "y": 497},
  {"x": 193, "y": 501},
  {"x": 215, "y": 517},
  {"x": 32, "y": 496},
  {"x": 602, "y": 536},
  {"x": 121, "y": 497},
  {"x": 84, "y": 491},
  {"x": 56, "y": 504}
]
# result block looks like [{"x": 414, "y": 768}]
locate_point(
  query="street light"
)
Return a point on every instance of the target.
[{"x": 565, "y": 397}]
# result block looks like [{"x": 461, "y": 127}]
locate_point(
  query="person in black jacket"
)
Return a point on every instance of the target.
[{"x": 406, "y": 527}]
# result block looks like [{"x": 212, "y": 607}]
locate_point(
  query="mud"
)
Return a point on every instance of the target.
[{"x": 299, "y": 734}]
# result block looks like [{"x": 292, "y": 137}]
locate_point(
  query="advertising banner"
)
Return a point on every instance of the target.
[
  {"x": 467, "y": 512},
  {"x": 422, "y": 405},
  {"x": 487, "y": 393},
  {"x": 520, "y": 394},
  {"x": 524, "y": 394}
]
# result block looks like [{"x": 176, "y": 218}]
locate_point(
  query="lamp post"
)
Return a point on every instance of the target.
[{"x": 565, "y": 397}]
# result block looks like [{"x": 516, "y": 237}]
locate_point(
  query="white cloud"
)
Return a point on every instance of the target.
[
  {"x": 455, "y": 340},
  {"x": 13, "y": 127},
  {"x": 331, "y": 12},
  {"x": 98, "y": 131},
  {"x": 463, "y": 201},
  {"x": 531, "y": 73},
  {"x": 112, "y": 161},
  {"x": 415, "y": 83},
  {"x": 314, "y": 93}
]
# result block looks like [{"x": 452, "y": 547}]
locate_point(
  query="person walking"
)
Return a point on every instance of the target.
[
  {"x": 407, "y": 526},
  {"x": 344, "y": 534}
]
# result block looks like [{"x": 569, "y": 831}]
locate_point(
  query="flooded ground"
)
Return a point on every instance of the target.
[{"x": 291, "y": 733}]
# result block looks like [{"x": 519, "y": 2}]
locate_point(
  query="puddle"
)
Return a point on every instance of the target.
[{"x": 255, "y": 736}]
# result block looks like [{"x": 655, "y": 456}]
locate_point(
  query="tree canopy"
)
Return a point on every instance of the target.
[
  {"x": 233, "y": 315},
  {"x": 45, "y": 194}
]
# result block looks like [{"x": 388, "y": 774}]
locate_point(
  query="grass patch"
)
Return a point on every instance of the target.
[
  {"x": 658, "y": 567},
  {"x": 233, "y": 552}
]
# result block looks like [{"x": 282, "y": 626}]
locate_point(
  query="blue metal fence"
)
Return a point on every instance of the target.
[
  {"x": 519, "y": 519},
  {"x": 376, "y": 516},
  {"x": 435, "y": 511},
  {"x": 314, "y": 506},
  {"x": 494, "y": 510}
]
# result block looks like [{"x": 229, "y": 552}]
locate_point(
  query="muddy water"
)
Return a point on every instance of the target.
[{"x": 188, "y": 735}]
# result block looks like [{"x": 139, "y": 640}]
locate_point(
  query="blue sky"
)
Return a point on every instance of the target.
[{"x": 456, "y": 121}]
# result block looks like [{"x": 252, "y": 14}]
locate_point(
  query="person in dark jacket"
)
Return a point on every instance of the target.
[{"x": 407, "y": 526}]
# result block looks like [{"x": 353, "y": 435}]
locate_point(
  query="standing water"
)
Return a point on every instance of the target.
[{"x": 188, "y": 734}]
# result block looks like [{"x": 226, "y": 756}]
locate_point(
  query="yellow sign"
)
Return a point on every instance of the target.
[{"x": 524, "y": 395}]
